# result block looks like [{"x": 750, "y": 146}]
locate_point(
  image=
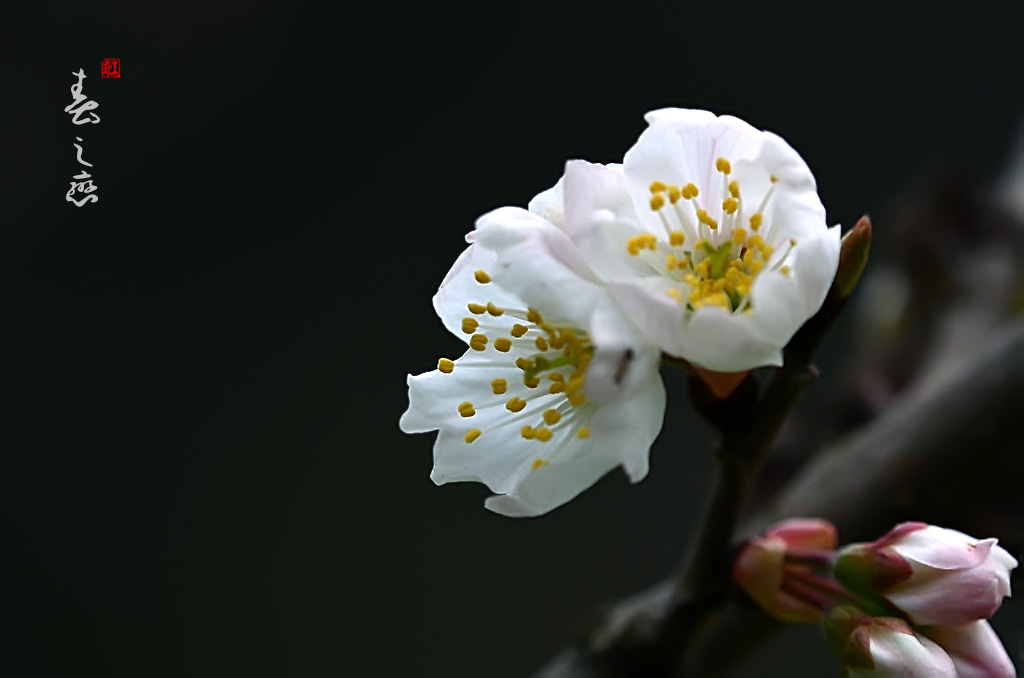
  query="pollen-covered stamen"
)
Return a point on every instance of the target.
[{"x": 720, "y": 265}]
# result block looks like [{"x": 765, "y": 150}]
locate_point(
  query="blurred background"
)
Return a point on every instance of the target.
[{"x": 203, "y": 472}]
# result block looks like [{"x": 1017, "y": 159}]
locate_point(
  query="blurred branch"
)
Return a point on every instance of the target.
[{"x": 945, "y": 436}]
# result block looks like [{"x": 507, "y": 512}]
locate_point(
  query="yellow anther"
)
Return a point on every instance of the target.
[
  {"x": 532, "y": 383},
  {"x": 657, "y": 201},
  {"x": 543, "y": 434},
  {"x": 499, "y": 386},
  {"x": 542, "y": 343},
  {"x": 469, "y": 325},
  {"x": 539, "y": 463},
  {"x": 524, "y": 363},
  {"x": 657, "y": 187},
  {"x": 676, "y": 238},
  {"x": 775, "y": 179},
  {"x": 472, "y": 434},
  {"x": 651, "y": 241},
  {"x": 528, "y": 432},
  {"x": 466, "y": 409},
  {"x": 575, "y": 384},
  {"x": 739, "y": 235},
  {"x": 723, "y": 166},
  {"x": 552, "y": 417},
  {"x": 734, "y": 188},
  {"x": 577, "y": 399},
  {"x": 515, "y": 404},
  {"x": 792, "y": 242},
  {"x": 690, "y": 191},
  {"x": 503, "y": 344},
  {"x": 730, "y": 205},
  {"x": 533, "y": 316},
  {"x": 478, "y": 342},
  {"x": 445, "y": 365},
  {"x": 556, "y": 376},
  {"x": 583, "y": 433},
  {"x": 702, "y": 217},
  {"x": 675, "y": 294},
  {"x": 755, "y": 221},
  {"x": 674, "y": 194},
  {"x": 519, "y": 330},
  {"x": 670, "y": 262},
  {"x": 482, "y": 277},
  {"x": 556, "y": 387},
  {"x": 755, "y": 242},
  {"x": 494, "y": 310},
  {"x": 476, "y": 308},
  {"x": 784, "y": 270}
]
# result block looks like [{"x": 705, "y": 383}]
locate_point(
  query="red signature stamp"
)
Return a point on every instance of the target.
[{"x": 110, "y": 68}]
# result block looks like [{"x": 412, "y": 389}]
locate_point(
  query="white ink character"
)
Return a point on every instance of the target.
[{"x": 88, "y": 105}]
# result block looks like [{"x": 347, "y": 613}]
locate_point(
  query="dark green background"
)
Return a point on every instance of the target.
[{"x": 203, "y": 474}]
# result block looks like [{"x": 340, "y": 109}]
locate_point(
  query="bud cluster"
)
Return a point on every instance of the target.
[{"x": 913, "y": 603}]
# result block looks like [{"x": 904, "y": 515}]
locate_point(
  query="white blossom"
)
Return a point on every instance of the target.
[
  {"x": 556, "y": 387},
  {"x": 710, "y": 236}
]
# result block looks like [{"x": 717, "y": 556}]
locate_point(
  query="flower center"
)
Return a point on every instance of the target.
[
  {"x": 710, "y": 256},
  {"x": 540, "y": 372}
]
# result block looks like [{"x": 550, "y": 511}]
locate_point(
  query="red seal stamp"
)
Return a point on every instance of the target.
[{"x": 110, "y": 68}]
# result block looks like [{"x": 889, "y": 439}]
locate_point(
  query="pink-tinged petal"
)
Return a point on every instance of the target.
[
  {"x": 975, "y": 650},
  {"x": 812, "y": 533},
  {"x": 961, "y": 596},
  {"x": 943, "y": 548},
  {"x": 906, "y": 655}
]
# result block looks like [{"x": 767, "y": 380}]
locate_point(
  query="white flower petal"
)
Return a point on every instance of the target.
[
  {"x": 551, "y": 486},
  {"x": 539, "y": 263},
  {"x": 460, "y": 288}
]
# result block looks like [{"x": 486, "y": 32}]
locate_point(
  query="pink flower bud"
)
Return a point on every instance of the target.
[
  {"x": 765, "y": 564},
  {"x": 883, "y": 647},
  {"x": 975, "y": 650},
  {"x": 934, "y": 575}
]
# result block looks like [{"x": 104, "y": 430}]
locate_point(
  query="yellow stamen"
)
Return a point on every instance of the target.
[
  {"x": 515, "y": 404},
  {"x": 494, "y": 310},
  {"x": 552, "y": 417},
  {"x": 469, "y": 325},
  {"x": 466, "y": 409},
  {"x": 519, "y": 330},
  {"x": 478, "y": 342},
  {"x": 542, "y": 343},
  {"x": 730, "y": 205},
  {"x": 482, "y": 277},
  {"x": 657, "y": 201},
  {"x": 723, "y": 166},
  {"x": 445, "y": 365},
  {"x": 657, "y": 187},
  {"x": 499, "y": 386},
  {"x": 472, "y": 434},
  {"x": 583, "y": 432},
  {"x": 734, "y": 188},
  {"x": 676, "y": 238},
  {"x": 674, "y": 194},
  {"x": 704, "y": 218},
  {"x": 756, "y": 220},
  {"x": 476, "y": 308},
  {"x": 690, "y": 191},
  {"x": 539, "y": 463},
  {"x": 543, "y": 434},
  {"x": 528, "y": 432},
  {"x": 503, "y": 344}
]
